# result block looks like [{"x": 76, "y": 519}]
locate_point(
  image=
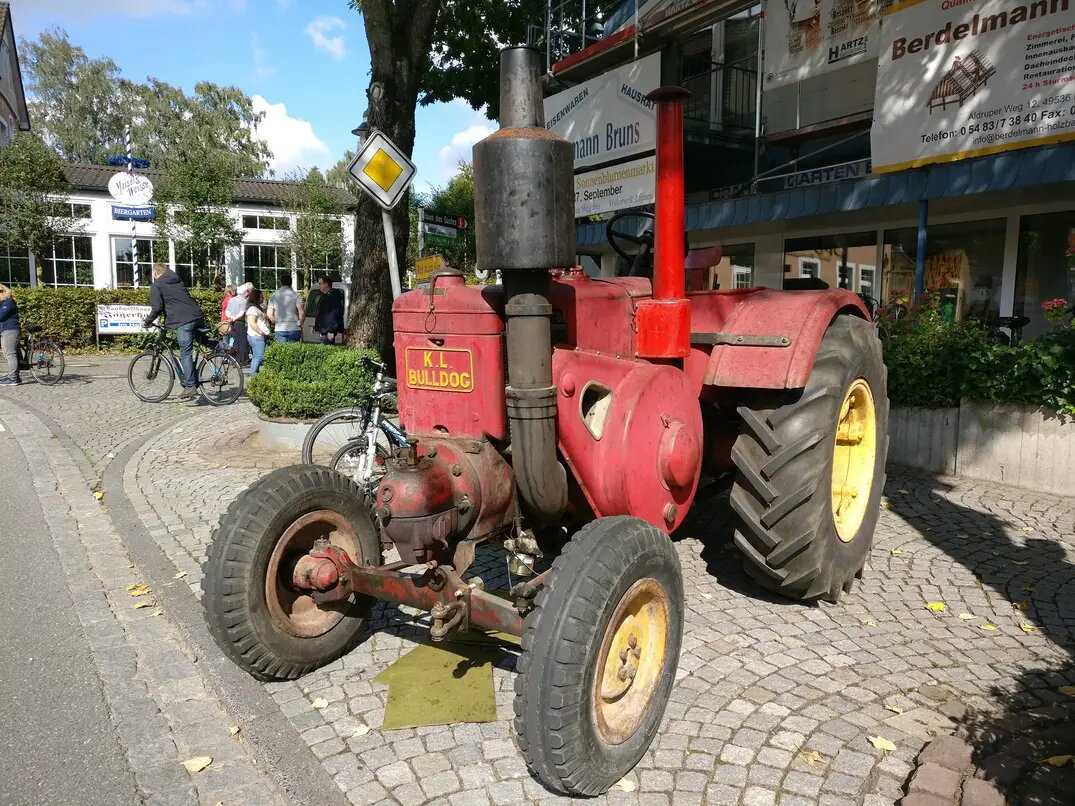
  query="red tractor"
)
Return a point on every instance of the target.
[{"x": 569, "y": 416}]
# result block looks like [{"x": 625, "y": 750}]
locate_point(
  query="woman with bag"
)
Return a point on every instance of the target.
[
  {"x": 257, "y": 329},
  {"x": 235, "y": 313}
]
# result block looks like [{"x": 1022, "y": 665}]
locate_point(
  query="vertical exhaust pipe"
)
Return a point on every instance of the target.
[{"x": 524, "y": 204}]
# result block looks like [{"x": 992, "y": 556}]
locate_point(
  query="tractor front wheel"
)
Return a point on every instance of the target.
[
  {"x": 255, "y": 613},
  {"x": 599, "y": 658},
  {"x": 811, "y": 469}
]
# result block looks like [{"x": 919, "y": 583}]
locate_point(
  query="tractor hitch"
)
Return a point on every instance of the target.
[{"x": 329, "y": 575}]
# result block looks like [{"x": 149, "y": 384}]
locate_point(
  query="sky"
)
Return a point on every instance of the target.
[{"x": 305, "y": 63}]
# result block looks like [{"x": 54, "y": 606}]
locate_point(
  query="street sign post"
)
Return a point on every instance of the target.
[{"x": 384, "y": 173}]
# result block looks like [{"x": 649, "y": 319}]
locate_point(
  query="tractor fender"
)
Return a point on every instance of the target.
[{"x": 800, "y": 317}]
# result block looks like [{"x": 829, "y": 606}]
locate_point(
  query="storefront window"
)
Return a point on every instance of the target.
[
  {"x": 67, "y": 261},
  {"x": 265, "y": 265},
  {"x": 1046, "y": 267},
  {"x": 197, "y": 273},
  {"x": 14, "y": 266},
  {"x": 964, "y": 264},
  {"x": 735, "y": 269},
  {"x": 841, "y": 261},
  {"x": 149, "y": 252}
]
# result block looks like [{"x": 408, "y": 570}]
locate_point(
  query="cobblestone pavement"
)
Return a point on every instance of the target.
[
  {"x": 158, "y": 702},
  {"x": 775, "y": 702}
]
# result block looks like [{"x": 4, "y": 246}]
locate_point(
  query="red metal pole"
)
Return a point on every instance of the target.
[
  {"x": 664, "y": 322},
  {"x": 669, "y": 259}
]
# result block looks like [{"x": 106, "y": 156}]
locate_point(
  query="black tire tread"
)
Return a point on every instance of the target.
[{"x": 166, "y": 365}]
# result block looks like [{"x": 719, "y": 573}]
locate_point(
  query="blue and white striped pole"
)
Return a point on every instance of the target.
[{"x": 134, "y": 222}]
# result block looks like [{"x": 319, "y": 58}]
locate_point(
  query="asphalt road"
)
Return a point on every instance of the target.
[{"x": 57, "y": 744}]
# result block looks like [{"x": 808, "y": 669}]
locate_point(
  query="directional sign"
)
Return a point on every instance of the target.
[
  {"x": 382, "y": 170},
  {"x": 439, "y": 229},
  {"x": 435, "y": 239},
  {"x": 446, "y": 220},
  {"x": 424, "y": 267}
]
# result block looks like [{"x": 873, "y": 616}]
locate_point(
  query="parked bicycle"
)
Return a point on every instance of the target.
[
  {"x": 357, "y": 440},
  {"x": 41, "y": 356},
  {"x": 218, "y": 376}
]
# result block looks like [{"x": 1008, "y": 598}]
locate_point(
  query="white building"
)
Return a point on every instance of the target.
[
  {"x": 13, "y": 113},
  {"x": 97, "y": 253}
]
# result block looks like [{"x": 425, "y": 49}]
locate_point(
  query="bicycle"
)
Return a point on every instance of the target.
[
  {"x": 218, "y": 376},
  {"x": 42, "y": 357},
  {"x": 350, "y": 437}
]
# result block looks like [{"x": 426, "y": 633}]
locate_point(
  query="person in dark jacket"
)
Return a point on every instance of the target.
[
  {"x": 9, "y": 335},
  {"x": 329, "y": 318},
  {"x": 169, "y": 296}
]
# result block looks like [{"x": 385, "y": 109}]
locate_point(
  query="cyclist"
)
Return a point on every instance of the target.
[
  {"x": 169, "y": 296},
  {"x": 9, "y": 335}
]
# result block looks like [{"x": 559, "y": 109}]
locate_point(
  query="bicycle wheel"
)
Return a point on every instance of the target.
[
  {"x": 46, "y": 362},
  {"x": 220, "y": 379},
  {"x": 349, "y": 461},
  {"x": 331, "y": 433},
  {"x": 150, "y": 376}
]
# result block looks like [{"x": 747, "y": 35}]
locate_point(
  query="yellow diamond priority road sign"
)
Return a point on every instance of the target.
[{"x": 382, "y": 170}]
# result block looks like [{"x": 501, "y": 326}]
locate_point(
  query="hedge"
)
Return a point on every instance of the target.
[
  {"x": 304, "y": 381},
  {"x": 69, "y": 314},
  {"x": 935, "y": 364}
]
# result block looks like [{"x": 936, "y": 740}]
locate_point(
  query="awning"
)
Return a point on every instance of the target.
[{"x": 1008, "y": 171}]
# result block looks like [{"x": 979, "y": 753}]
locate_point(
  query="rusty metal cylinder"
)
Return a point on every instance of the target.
[{"x": 524, "y": 187}]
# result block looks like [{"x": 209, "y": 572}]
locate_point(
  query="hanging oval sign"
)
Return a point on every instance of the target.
[{"x": 130, "y": 188}]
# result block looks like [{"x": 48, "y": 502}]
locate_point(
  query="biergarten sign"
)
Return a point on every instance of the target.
[{"x": 966, "y": 78}]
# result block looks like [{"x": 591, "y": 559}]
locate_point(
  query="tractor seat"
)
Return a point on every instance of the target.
[{"x": 32, "y": 328}]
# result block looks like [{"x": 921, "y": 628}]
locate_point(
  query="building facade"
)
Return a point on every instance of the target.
[
  {"x": 97, "y": 251},
  {"x": 867, "y": 143},
  {"x": 13, "y": 113}
]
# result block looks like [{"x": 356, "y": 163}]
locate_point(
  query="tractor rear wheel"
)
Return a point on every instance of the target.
[
  {"x": 255, "y": 614},
  {"x": 811, "y": 469},
  {"x": 599, "y": 658}
]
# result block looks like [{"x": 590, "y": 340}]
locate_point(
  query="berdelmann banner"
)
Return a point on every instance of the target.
[{"x": 965, "y": 78}]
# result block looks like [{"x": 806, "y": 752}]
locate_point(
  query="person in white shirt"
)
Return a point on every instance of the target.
[
  {"x": 286, "y": 312},
  {"x": 236, "y": 314},
  {"x": 257, "y": 329}
]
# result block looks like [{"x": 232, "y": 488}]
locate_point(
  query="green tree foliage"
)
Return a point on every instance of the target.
[
  {"x": 81, "y": 106},
  {"x": 193, "y": 204},
  {"x": 316, "y": 239},
  {"x": 31, "y": 194}
]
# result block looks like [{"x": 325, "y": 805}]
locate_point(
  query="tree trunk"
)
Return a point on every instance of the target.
[{"x": 399, "y": 34}]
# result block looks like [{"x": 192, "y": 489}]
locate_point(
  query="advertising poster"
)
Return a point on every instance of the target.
[
  {"x": 964, "y": 78},
  {"x": 629, "y": 184},
  {"x": 608, "y": 118},
  {"x": 116, "y": 320},
  {"x": 805, "y": 38}
]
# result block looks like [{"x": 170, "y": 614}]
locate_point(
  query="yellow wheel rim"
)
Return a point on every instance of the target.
[
  {"x": 853, "y": 460},
  {"x": 630, "y": 661}
]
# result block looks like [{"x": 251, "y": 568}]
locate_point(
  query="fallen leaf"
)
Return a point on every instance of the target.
[
  {"x": 893, "y": 708},
  {"x": 886, "y": 505},
  {"x": 140, "y": 605},
  {"x": 706, "y": 596},
  {"x": 966, "y": 617},
  {"x": 1021, "y": 606},
  {"x": 320, "y": 702},
  {"x": 361, "y": 730},
  {"x": 130, "y": 565},
  {"x": 1028, "y": 588},
  {"x": 1069, "y": 690},
  {"x": 234, "y": 729},
  {"x": 897, "y": 552},
  {"x": 180, "y": 575},
  {"x": 158, "y": 613},
  {"x": 904, "y": 492},
  {"x": 1028, "y": 528},
  {"x": 138, "y": 590},
  {"x": 937, "y": 607},
  {"x": 198, "y": 763},
  {"x": 1020, "y": 562},
  {"x": 1058, "y": 761},
  {"x": 98, "y": 494},
  {"x": 881, "y": 743},
  {"x": 626, "y": 785},
  {"x": 989, "y": 627},
  {"x": 869, "y": 623},
  {"x": 811, "y": 757},
  {"x": 1027, "y": 627}
]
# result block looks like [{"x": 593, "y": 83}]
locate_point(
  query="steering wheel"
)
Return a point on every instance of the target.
[{"x": 645, "y": 240}]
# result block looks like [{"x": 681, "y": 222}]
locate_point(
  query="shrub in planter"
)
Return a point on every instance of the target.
[{"x": 305, "y": 381}]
